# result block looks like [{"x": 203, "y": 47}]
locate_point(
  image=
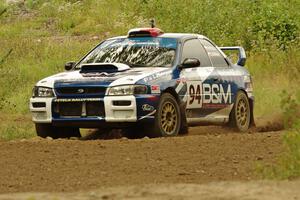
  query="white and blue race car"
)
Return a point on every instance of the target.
[{"x": 147, "y": 82}]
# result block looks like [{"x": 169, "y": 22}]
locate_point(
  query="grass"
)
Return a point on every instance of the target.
[
  {"x": 288, "y": 164},
  {"x": 16, "y": 126},
  {"x": 44, "y": 35},
  {"x": 273, "y": 73}
]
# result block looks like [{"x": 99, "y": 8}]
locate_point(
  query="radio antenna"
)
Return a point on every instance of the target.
[{"x": 152, "y": 23}]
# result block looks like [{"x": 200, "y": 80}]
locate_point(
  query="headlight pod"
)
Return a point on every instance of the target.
[
  {"x": 127, "y": 90},
  {"x": 42, "y": 92}
]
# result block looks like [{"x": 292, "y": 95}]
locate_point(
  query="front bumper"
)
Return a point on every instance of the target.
[
  {"x": 137, "y": 108},
  {"x": 41, "y": 113},
  {"x": 115, "y": 113}
]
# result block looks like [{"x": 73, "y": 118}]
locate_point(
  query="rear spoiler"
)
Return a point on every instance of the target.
[{"x": 242, "y": 54}]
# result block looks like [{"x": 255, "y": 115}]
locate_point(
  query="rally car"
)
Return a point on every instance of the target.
[{"x": 147, "y": 82}]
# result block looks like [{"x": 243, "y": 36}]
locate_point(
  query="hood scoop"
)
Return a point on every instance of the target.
[{"x": 103, "y": 67}]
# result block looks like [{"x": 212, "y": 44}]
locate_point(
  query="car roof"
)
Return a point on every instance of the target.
[{"x": 179, "y": 36}]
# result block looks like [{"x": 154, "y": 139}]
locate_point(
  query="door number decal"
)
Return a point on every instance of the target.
[{"x": 194, "y": 94}]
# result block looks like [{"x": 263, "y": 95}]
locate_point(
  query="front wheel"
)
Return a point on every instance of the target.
[
  {"x": 241, "y": 114},
  {"x": 47, "y": 130},
  {"x": 167, "y": 119}
]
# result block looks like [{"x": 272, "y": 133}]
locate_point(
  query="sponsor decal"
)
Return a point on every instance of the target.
[
  {"x": 77, "y": 100},
  {"x": 157, "y": 75},
  {"x": 155, "y": 89},
  {"x": 202, "y": 94},
  {"x": 149, "y": 115},
  {"x": 147, "y": 107},
  {"x": 214, "y": 93}
]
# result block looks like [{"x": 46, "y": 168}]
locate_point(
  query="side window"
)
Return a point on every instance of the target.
[
  {"x": 216, "y": 57},
  {"x": 194, "y": 49}
]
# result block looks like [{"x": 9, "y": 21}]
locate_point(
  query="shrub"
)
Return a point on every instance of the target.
[
  {"x": 291, "y": 110},
  {"x": 288, "y": 165}
]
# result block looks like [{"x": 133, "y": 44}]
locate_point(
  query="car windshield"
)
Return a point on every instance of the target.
[{"x": 135, "y": 52}]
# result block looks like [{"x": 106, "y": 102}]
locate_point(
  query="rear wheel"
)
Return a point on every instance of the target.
[
  {"x": 167, "y": 119},
  {"x": 47, "y": 130},
  {"x": 241, "y": 113}
]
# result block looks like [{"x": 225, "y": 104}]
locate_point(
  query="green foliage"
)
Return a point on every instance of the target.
[
  {"x": 291, "y": 110},
  {"x": 288, "y": 166},
  {"x": 254, "y": 24},
  {"x": 31, "y": 4},
  {"x": 272, "y": 24},
  {"x": 273, "y": 72},
  {"x": 59, "y": 17},
  {"x": 2, "y": 60},
  {"x": 31, "y": 60},
  {"x": 17, "y": 132},
  {"x": 15, "y": 127}
]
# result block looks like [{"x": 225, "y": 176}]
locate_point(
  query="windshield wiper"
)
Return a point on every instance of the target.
[
  {"x": 138, "y": 65},
  {"x": 142, "y": 65},
  {"x": 134, "y": 65}
]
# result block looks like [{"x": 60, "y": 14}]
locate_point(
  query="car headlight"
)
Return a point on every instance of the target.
[
  {"x": 127, "y": 90},
  {"x": 42, "y": 92}
]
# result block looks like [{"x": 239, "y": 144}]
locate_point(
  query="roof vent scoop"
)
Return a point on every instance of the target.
[{"x": 103, "y": 67}]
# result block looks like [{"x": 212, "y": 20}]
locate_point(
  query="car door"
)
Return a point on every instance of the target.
[
  {"x": 195, "y": 78},
  {"x": 222, "y": 81}
]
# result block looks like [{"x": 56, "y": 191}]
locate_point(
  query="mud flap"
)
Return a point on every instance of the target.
[{"x": 252, "y": 122}]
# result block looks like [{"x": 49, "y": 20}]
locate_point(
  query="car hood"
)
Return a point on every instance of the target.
[{"x": 130, "y": 76}]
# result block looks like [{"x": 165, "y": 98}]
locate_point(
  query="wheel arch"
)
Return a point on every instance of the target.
[
  {"x": 182, "y": 106},
  {"x": 173, "y": 93},
  {"x": 251, "y": 103}
]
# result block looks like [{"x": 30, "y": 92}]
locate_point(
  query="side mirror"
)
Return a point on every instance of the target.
[
  {"x": 69, "y": 65},
  {"x": 190, "y": 63}
]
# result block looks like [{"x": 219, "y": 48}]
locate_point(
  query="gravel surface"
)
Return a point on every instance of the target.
[
  {"x": 205, "y": 156},
  {"x": 254, "y": 190}
]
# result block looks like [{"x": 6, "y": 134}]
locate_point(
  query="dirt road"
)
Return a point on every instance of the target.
[
  {"x": 254, "y": 190},
  {"x": 41, "y": 165}
]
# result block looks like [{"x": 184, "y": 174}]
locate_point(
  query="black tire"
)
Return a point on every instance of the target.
[
  {"x": 47, "y": 130},
  {"x": 240, "y": 116},
  {"x": 167, "y": 118}
]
